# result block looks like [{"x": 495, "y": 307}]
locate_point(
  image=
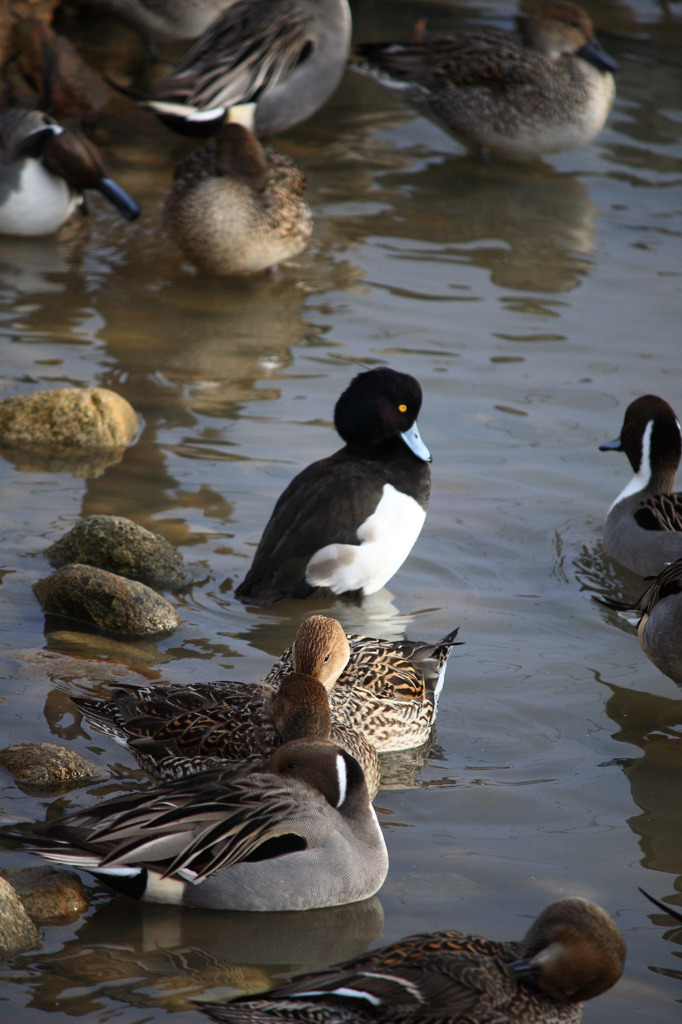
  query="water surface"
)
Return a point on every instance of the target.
[{"x": 532, "y": 303}]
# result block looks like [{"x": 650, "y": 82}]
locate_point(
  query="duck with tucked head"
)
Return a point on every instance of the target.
[
  {"x": 346, "y": 524},
  {"x": 236, "y": 207},
  {"x": 177, "y": 729},
  {"x": 572, "y": 952},
  {"x": 384, "y": 699},
  {"x": 293, "y": 833},
  {"x": 44, "y": 170},
  {"x": 267, "y": 63},
  {"x": 518, "y": 100},
  {"x": 643, "y": 529}
]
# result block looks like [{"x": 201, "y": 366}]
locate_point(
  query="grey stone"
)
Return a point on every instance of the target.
[
  {"x": 45, "y": 767},
  {"x": 121, "y": 546},
  {"x": 49, "y": 895},
  {"x": 73, "y": 430},
  {"x": 17, "y": 930},
  {"x": 105, "y": 600}
]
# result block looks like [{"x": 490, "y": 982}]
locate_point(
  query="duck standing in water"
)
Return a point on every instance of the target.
[
  {"x": 572, "y": 952},
  {"x": 346, "y": 524},
  {"x": 643, "y": 528},
  {"x": 236, "y": 207},
  {"x": 44, "y": 170},
  {"x": 514, "y": 99}
]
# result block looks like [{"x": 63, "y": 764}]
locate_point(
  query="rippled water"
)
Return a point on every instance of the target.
[{"x": 533, "y": 303}]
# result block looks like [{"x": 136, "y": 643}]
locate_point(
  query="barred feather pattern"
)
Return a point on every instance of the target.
[{"x": 240, "y": 56}]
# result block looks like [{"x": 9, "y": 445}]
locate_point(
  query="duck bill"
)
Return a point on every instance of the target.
[
  {"x": 525, "y": 970},
  {"x": 611, "y": 446},
  {"x": 413, "y": 440},
  {"x": 593, "y": 54}
]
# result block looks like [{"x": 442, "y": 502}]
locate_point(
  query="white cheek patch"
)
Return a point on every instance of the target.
[
  {"x": 385, "y": 540},
  {"x": 643, "y": 476}
]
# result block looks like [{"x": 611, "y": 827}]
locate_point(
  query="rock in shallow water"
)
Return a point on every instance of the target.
[
  {"x": 17, "y": 930},
  {"x": 121, "y": 546},
  {"x": 49, "y": 895},
  {"x": 68, "y": 418},
  {"x": 105, "y": 600},
  {"x": 44, "y": 767}
]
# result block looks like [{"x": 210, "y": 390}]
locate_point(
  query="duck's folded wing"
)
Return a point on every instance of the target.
[
  {"x": 661, "y": 512},
  {"x": 484, "y": 58},
  {"x": 241, "y": 54},
  {"x": 440, "y": 988},
  {"x": 188, "y": 829}
]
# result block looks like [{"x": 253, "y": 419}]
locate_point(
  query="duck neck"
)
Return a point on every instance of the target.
[
  {"x": 659, "y": 458},
  {"x": 300, "y": 709}
]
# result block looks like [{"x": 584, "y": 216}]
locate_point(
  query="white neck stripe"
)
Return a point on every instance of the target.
[
  {"x": 342, "y": 779},
  {"x": 642, "y": 477}
]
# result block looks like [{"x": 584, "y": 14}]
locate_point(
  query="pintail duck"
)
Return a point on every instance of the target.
[
  {"x": 387, "y": 696},
  {"x": 236, "y": 207},
  {"x": 643, "y": 529},
  {"x": 44, "y": 170},
  {"x": 517, "y": 100},
  {"x": 389, "y": 689},
  {"x": 178, "y": 729},
  {"x": 283, "y": 58},
  {"x": 294, "y": 833},
  {"x": 658, "y": 613},
  {"x": 346, "y": 524},
  {"x": 165, "y": 19},
  {"x": 572, "y": 952}
]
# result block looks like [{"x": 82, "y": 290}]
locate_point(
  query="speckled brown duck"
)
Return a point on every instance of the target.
[
  {"x": 385, "y": 694},
  {"x": 236, "y": 207},
  {"x": 179, "y": 729},
  {"x": 516, "y": 98},
  {"x": 572, "y": 952}
]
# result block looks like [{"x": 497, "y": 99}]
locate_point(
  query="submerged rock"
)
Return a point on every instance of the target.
[
  {"x": 105, "y": 600},
  {"x": 121, "y": 546},
  {"x": 44, "y": 767},
  {"x": 49, "y": 895},
  {"x": 67, "y": 418},
  {"x": 17, "y": 930}
]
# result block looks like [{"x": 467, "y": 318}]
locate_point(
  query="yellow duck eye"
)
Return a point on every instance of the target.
[{"x": 402, "y": 408}]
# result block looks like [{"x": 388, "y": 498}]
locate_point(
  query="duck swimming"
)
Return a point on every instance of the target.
[
  {"x": 643, "y": 528},
  {"x": 658, "y": 612},
  {"x": 384, "y": 695},
  {"x": 346, "y": 524},
  {"x": 236, "y": 207},
  {"x": 515, "y": 99},
  {"x": 177, "y": 729},
  {"x": 572, "y": 952},
  {"x": 292, "y": 833},
  {"x": 44, "y": 170}
]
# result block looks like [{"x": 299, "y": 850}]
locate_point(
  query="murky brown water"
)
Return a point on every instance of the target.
[{"x": 533, "y": 303}]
